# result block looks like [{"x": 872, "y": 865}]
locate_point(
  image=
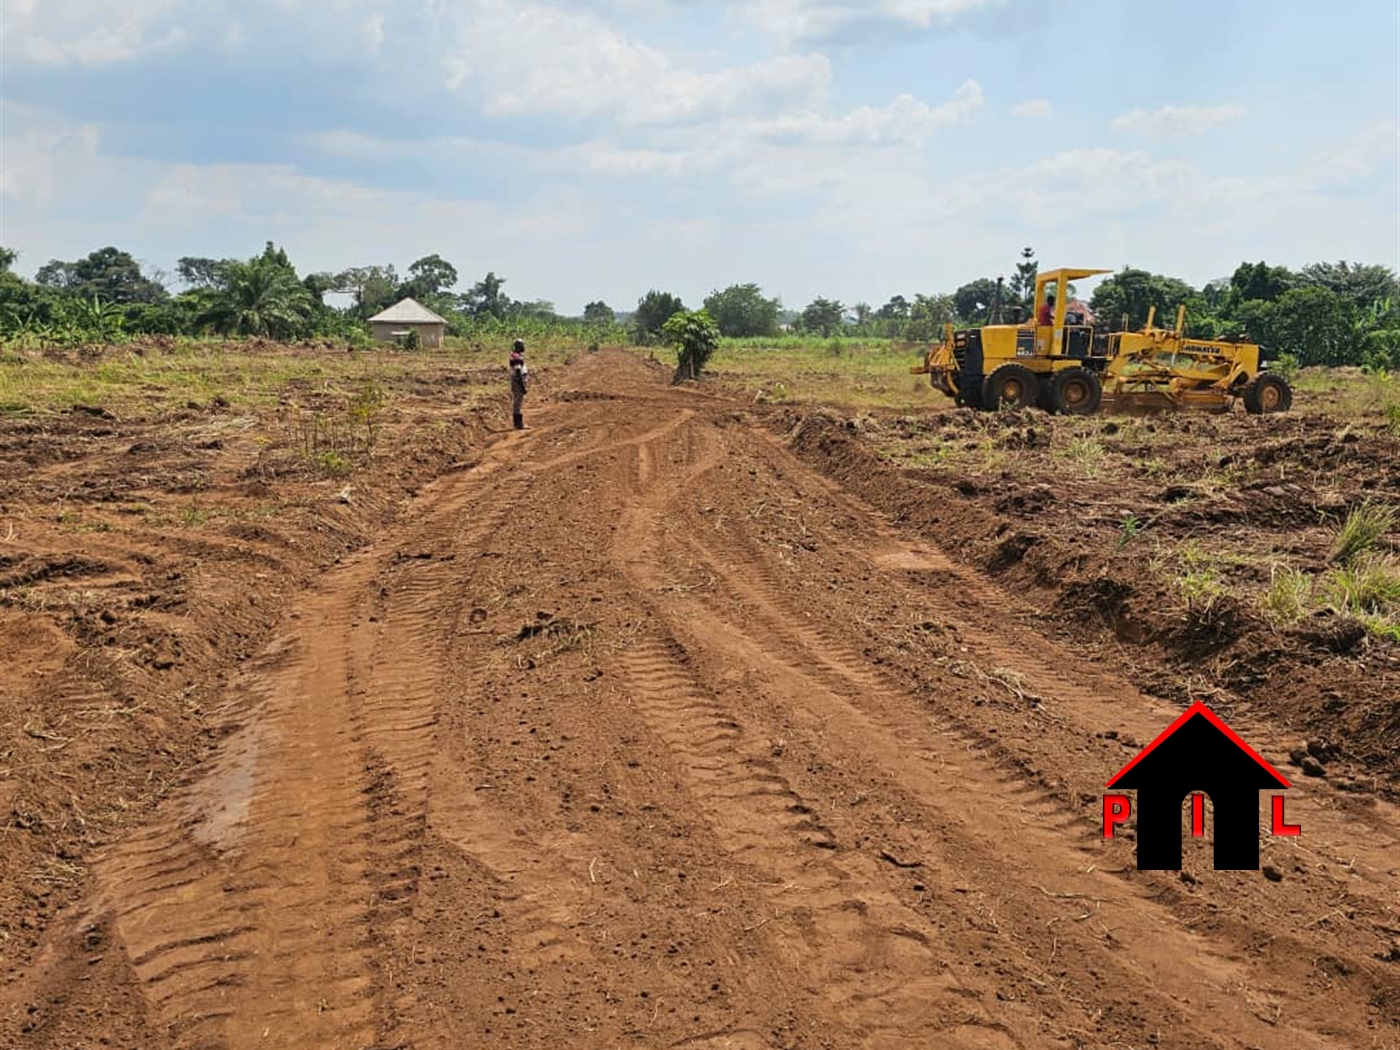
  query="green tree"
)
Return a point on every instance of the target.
[
  {"x": 1316, "y": 325},
  {"x": 428, "y": 278},
  {"x": 8, "y": 257},
  {"x": 108, "y": 274},
  {"x": 1132, "y": 293},
  {"x": 897, "y": 309},
  {"x": 928, "y": 317},
  {"x": 277, "y": 257},
  {"x": 1364, "y": 285},
  {"x": 55, "y": 274},
  {"x": 1023, "y": 284},
  {"x": 653, "y": 311},
  {"x": 741, "y": 310},
  {"x": 199, "y": 272},
  {"x": 823, "y": 316},
  {"x": 695, "y": 337},
  {"x": 599, "y": 313},
  {"x": 1260, "y": 281},
  {"x": 318, "y": 284},
  {"x": 973, "y": 301},
  {"x": 537, "y": 309},
  {"x": 372, "y": 286},
  {"x": 260, "y": 297},
  {"x": 485, "y": 299}
]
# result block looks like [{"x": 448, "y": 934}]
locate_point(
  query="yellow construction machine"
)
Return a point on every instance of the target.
[{"x": 1059, "y": 363}]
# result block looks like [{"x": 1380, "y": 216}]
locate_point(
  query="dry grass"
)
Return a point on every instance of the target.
[{"x": 140, "y": 379}]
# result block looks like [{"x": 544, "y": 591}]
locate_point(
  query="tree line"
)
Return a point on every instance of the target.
[{"x": 1324, "y": 313}]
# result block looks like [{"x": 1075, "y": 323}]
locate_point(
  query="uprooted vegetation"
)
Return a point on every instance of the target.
[{"x": 1221, "y": 555}]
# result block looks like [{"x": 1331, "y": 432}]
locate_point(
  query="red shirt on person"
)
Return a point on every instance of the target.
[{"x": 1047, "y": 313}]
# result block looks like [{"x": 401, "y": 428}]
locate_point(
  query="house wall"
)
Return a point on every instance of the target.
[{"x": 429, "y": 334}]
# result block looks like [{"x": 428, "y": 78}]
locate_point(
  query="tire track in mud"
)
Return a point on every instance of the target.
[
  {"x": 868, "y": 963},
  {"x": 255, "y": 915},
  {"x": 261, "y": 912},
  {"x": 268, "y": 933},
  {"x": 891, "y": 733},
  {"x": 874, "y": 962}
]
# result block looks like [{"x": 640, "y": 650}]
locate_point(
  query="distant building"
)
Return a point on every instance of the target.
[
  {"x": 394, "y": 324},
  {"x": 1081, "y": 308}
]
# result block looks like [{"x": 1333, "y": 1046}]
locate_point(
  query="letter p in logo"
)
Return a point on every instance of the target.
[{"x": 1116, "y": 810}]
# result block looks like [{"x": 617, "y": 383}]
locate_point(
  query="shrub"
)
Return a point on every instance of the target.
[{"x": 695, "y": 336}]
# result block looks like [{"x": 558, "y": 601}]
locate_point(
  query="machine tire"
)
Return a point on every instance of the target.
[
  {"x": 1076, "y": 392},
  {"x": 1015, "y": 386},
  {"x": 1268, "y": 393}
]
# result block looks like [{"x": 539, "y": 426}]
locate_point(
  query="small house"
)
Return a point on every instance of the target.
[{"x": 407, "y": 317}]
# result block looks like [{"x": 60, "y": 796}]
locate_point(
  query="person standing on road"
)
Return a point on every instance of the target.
[{"x": 519, "y": 383}]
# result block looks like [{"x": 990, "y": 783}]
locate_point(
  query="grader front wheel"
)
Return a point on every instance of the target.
[
  {"x": 1075, "y": 392},
  {"x": 1268, "y": 394}
]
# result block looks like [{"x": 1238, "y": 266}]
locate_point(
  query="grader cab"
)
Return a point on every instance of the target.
[{"x": 1060, "y": 363}]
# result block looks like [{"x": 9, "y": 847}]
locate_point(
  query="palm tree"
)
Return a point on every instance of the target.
[{"x": 259, "y": 297}]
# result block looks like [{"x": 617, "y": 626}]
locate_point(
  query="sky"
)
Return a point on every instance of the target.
[{"x": 596, "y": 149}]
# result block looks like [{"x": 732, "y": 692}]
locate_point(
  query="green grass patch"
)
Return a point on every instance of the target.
[
  {"x": 1362, "y": 531},
  {"x": 1366, "y": 587},
  {"x": 847, "y": 373},
  {"x": 1290, "y": 595}
]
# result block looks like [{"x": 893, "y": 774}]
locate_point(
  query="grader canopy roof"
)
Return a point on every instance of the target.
[{"x": 1053, "y": 277}]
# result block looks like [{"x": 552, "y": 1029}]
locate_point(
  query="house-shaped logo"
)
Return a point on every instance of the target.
[{"x": 1196, "y": 755}]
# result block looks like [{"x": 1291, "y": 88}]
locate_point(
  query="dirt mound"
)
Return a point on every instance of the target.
[{"x": 1068, "y": 544}]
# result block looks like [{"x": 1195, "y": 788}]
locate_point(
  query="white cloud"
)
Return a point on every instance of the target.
[
  {"x": 906, "y": 119},
  {"x": 1176, "y": 120},
  {"x": 374, "y": 30},
  {"x": 37, "y": 150},
  {"x": 95, "y": 33},
  {"x": 546, "y": 59},
  {"x": 1036, "y": 107},
  {"x": 88, "y": 33},
  {"x": 795, "y": 20},
  {"x": 1357, "y": 158},
  {"x": 802, "y": 153}
]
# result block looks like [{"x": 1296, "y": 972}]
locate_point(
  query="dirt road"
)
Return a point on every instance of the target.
[{"x": 641, "y": 733}]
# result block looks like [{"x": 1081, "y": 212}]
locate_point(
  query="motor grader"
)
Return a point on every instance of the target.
[{"x": 1070, "y": 367}]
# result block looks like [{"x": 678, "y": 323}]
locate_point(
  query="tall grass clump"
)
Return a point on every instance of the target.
[
  {"x": 1290, "y": 595},
  {"x": 1367, "y": 587},
  {"x": 1361, "y": 531}
]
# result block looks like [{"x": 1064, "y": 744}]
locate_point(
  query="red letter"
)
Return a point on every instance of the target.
[
  {"x": 1280, "y": 828},
  {"x": 1116, "y": 809},
  {"x": 1198, "y": 815}
]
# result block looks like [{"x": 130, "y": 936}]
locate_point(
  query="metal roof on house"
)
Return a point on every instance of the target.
[{"x": 408, "y": 311}]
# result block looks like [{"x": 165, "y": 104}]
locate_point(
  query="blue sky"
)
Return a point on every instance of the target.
[{"x": 590, "y": 149}]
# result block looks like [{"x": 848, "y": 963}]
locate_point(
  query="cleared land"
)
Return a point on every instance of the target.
[{"x": 335, "y": 715}]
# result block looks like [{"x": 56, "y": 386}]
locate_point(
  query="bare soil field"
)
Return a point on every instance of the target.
[{"x": 673, "y": 721}]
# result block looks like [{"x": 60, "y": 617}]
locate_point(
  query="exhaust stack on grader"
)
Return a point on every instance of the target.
[{"x": 1076, "y": 369}]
